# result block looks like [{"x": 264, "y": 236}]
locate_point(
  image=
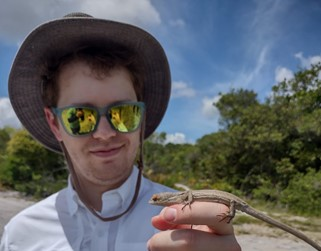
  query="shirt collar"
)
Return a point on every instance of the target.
[{"x": 114, "y": 201}]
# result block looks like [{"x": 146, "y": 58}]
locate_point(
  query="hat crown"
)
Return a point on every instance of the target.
[
  {"x": 61, "y": 36},
  {"x": 77, "y": 14}
]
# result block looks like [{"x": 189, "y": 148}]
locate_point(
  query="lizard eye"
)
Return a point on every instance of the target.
[{"x": 155, "y": 197}]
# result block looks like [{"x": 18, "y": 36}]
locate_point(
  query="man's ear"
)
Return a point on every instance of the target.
[{"x": 53, "y": 123}]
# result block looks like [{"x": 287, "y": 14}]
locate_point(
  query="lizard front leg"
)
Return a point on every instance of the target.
[{"x": 230, "y": 214}]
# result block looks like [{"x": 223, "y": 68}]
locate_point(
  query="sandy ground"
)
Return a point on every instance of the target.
[
  {"x": 265, "y": 238},
  {"x": 252, "y": 237}
]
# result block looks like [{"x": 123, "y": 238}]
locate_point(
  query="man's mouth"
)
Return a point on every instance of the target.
[{"x": 106, "y": 152}]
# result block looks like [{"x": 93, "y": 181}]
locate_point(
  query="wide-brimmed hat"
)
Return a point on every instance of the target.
[{"x": 62, "y": 36}]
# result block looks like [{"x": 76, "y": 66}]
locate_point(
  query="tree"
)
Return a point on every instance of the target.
[
  {"x": 167, "y": 163},
  {"x": 4, "y": 138},
  {"x": 264, "y": 145},
  {"x": 307, "y": 186},
  {"x": 31, "y": 168},
  {"x": 232, "y": 105}
]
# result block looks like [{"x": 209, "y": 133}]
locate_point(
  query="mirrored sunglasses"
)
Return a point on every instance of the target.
[{"x": 124, "y": 117}]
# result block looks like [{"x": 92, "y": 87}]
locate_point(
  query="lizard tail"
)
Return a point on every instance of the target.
[{"x": 251, "y": 211}]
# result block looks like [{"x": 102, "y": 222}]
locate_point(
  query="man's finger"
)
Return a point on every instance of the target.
[
  {"x": 199, "y": 213},
  {"x": 189, "y": 239}
]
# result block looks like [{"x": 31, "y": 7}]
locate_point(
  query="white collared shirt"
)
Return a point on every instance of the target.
[{"x": 62, "y": 222}]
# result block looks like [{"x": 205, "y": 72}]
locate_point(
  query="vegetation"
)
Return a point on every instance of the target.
[
  {"x": 267, "y": 151},
  {"x": 30, "y": 168}
]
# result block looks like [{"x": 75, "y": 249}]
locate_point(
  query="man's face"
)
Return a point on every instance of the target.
[{"x": 104, "y": 158}]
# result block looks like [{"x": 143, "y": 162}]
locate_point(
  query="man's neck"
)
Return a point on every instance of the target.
[{"x": 93, "y": 192}]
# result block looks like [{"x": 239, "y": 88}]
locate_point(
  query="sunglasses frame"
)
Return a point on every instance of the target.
[{"x": 101, "y": 111}]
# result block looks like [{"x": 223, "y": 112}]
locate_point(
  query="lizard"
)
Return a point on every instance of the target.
[{"x": 232, "y": 201}]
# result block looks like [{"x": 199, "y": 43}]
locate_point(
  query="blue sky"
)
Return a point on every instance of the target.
[{"x": 212, "y": 46}]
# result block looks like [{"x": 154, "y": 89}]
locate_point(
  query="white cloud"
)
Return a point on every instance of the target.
[
  {"x": 249, "y": 76},
  {"x": 8, "y": 116},
  {"x": 260, "y": 63},
  {"x": 181, "y": 89},
  {"x": 176, "y": 138},
  {"x": 208, "y": 109},
  {"x": 306, "y": 62},
  {"x": 178, "y": 23},
  {"x": 137, "y": 12},
  {"x": 282, "y": 73},
  {"x": 17, "y": 18}
]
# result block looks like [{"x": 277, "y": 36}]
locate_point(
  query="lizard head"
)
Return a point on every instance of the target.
[{"x": 165, "y": 199}]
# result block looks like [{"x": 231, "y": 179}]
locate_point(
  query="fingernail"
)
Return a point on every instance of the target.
[{"x": 170, "y": 214}]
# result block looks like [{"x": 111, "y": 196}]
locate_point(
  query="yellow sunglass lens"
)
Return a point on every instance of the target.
[
  {"x": 79, "y": 121},
  {"x": 125, "y": 118}
]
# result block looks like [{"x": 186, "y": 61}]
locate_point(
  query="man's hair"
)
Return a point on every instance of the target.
[{"x": 101, "y": 61}]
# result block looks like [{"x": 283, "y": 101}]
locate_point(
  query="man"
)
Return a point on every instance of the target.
[{"x": 118, "y": 76}]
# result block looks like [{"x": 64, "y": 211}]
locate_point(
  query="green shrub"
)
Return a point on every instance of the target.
[
  {"x": 28, "y": 167},
  {"x": 303, "y": 194}
]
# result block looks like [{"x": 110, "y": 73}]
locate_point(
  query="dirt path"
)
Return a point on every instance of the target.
[
  {"x": 252, "y": 237},
  {"x": 266, "y": 238},
  {"x": 10, "y": 204}
]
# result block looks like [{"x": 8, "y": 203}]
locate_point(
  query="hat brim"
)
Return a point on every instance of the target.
[{"x": 62, "y": 36}]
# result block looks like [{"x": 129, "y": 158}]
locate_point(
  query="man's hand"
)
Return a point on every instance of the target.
[{"x": 195, "y": 228}]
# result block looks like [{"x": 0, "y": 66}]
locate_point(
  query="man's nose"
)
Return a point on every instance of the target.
[{"x": 104, "y": 129}]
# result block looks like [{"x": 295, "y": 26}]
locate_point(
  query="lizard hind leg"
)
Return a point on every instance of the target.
[
  {"x": 229, "y": 215},
  {"x": 188, "y": 199}
]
